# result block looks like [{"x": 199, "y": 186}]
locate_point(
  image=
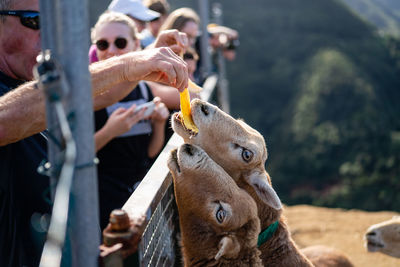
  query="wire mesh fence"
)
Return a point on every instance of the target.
[{"x": 159, "y": 240}]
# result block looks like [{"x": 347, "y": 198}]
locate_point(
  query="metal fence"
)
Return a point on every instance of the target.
[
  {"x": 154, "y": 199},
  {"x": 158, "y": 244}
]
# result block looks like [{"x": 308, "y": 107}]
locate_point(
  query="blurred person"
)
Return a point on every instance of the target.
[
  {"x": 135, "y": 10},
  {"x": 191, "y": 58},
  {"x": 23, "y": 142},
  {"x": 184, "y": 20},
  {"x": 224, "y": 38},
  {"x": 153, "y": 27},
  {"x": 127, "y": 142},
  {"x": 221, "y": 38},
  {"x": 221, "y": 35},
  {"x": 229, "y": 52}
]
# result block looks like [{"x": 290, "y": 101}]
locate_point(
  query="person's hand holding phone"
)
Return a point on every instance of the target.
[
  {"x": 122, "y": 120},
  {"x": 148, "y": 107},
  {"x": 161, "y": 112}
]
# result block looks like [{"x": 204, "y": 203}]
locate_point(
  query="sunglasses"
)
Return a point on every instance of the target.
[
  {"x": 119, "y": 42},
  {"x": 28, "y": 18}
]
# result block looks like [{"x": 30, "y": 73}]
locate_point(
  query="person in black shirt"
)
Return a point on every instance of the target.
[{"x": 23, "y": 195}]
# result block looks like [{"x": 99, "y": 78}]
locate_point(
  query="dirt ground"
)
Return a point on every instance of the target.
[{"x": 342, "y": 229}]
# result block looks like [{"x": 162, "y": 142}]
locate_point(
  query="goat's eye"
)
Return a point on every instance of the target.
[
  {"x": 220, "y": 215},
  {"x": 247, "y": 155}
]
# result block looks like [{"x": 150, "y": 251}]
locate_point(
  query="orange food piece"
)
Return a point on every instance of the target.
[{"x": 186, "y": 111}]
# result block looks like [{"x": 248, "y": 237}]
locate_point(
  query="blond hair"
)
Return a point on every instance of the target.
[{"x": 111, "y": 17}]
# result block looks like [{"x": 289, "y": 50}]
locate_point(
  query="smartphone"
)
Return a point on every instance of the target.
[{"x": 150, "y": 108}]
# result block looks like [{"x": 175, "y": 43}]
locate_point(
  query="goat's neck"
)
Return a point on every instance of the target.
[
  {"x": 280, "y": 249},
  {"x": 267, "y": 214}
]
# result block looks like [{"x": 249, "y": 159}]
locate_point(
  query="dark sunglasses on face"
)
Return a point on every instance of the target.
[
  {"x": 119, "y": 42},
  {"x": 28, "y": 18}
]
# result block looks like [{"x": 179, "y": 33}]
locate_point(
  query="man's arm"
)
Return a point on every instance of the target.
[
  {"x": 175, "y": 40},
  {"x": 22, "y": 111},
  {"x": 158, "y": 65}
]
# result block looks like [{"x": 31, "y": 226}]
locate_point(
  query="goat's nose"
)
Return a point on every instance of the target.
[
  {"x": 372, "y": 233},
  {"x": 204, "y": 109},
  {"x": 188, "y": 149}
]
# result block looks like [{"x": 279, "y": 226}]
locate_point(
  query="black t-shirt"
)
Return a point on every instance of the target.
[
  {"x": 24, "y": 196},
  {"x": 123, "y": 162}
]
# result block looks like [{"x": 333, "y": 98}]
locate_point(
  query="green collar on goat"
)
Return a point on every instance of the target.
[{"x": 267, "y": 233}]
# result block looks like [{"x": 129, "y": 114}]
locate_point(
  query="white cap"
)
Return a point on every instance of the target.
[{"x": 133, "y": 8}]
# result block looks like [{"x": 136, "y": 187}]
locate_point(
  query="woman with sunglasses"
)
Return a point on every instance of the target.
[{"x": 126, "y": 141}]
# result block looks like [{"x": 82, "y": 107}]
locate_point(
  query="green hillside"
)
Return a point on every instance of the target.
[
  {"x": 384, "y": 14},
  {"x": 323, "y": 89}
]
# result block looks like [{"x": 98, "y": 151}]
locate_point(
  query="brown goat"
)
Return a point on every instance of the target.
[
  {"x": 241, "y": 152},
  {"x": 384, "y": 237},
  {"x": 218, "y": 220}
]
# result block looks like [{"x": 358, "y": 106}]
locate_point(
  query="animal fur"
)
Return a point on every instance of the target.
[
  {"x": 218, "y": 220},
  {"x": 241, "y": 152}
]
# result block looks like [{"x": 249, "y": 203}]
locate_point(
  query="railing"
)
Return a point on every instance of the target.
[{"x": 154, "y": 199}]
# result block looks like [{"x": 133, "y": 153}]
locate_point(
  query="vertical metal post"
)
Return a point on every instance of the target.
[
  {"x": 223, "y": 86},
  {"x": 205, "y": 55},
  {"x": 65, "y": 31},
  {"x": 48, "y": 39}
]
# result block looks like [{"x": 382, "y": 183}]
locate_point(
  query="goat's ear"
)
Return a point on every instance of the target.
[
  {"x": 260, "y": 183},
  {"x": 228, "y": 247}
]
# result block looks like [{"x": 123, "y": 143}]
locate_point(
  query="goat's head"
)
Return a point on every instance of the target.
[
  {"x": 384, "y": 237},
  {"x": 217, "y": 218},
  {"x": 234, "y": 145}
]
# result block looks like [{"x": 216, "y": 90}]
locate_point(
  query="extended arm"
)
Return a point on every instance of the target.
[{"x": 22, "y": 111}]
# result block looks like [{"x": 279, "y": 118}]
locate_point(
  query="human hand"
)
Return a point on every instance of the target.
[
  {"x": 122, "y": 120},
  {"x": 161, "y": 112},
  {"x": 157, "y": 65},
  {"x": 177, "y": 41}
]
